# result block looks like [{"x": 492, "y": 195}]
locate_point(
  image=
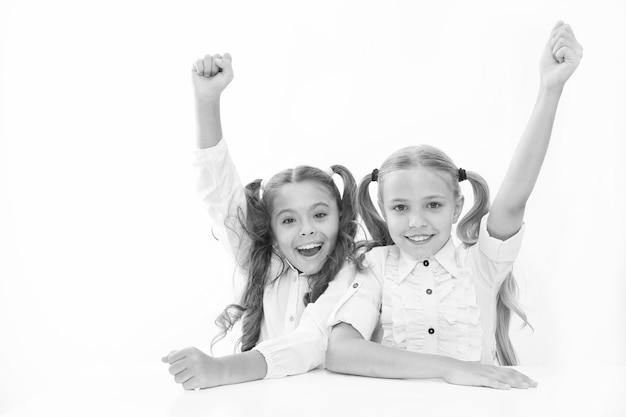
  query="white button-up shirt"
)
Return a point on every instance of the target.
[
  {"x": 445, "y": 304},
  {"x": 293, "y": 338}
]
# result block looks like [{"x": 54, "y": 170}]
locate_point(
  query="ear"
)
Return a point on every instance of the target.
[{"x": 458, "y": 208}]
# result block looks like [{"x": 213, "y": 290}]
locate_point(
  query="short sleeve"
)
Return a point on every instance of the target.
[
  {"x": 493, "y": 258},
  {"x": 221, "y": 191},
  {"x": 360, "y": 305},
  {"x": 499, "y": 250},
  {"x": 305, "y": 348}
]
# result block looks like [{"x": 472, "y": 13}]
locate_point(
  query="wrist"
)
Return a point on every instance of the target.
[
  {"x": 447, "y": 367},
  {"x": 209, "y": 102},
  {"x": 222, "y": 371},
  {"x": 550, "y": 89}
]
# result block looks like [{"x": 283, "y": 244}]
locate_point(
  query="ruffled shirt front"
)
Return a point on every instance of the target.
[
  {"x": 445, "y": 304},
  {"x": 293, "y": 337}
]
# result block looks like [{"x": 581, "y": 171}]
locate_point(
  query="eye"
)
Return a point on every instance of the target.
[
  {"x": 288, "y": 220},
  {"x": 320, "y": 215},
  {"x": 400, "y": 207},
  {"x": 433, "y": 205}
]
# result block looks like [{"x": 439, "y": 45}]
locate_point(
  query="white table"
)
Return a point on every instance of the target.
[{"x": 583, "y": 391}]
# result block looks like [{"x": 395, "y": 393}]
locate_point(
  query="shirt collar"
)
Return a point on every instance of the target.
[{"x": 446, "y": 257}]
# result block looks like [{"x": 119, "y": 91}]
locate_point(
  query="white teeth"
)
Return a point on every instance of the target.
[
  {"x": 419, "y": 238},
  {"x": 310, "y": 246}
]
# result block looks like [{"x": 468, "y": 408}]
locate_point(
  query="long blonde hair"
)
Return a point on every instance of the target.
[{"x": 467, "y": 230}]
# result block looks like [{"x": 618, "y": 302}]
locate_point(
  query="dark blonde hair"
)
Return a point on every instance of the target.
[
  {"x": 258, "y": 260},
  {"x": 467, "y": 230}
]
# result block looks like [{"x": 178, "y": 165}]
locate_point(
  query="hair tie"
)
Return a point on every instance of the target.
[
  {"x": 375, "y": 175},
  {"x": 462, "y": 175}
]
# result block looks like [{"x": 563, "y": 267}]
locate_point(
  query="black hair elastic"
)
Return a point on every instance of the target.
[
  {"x": 375, "y": 174},
  {"x": 462, "y": 175}
]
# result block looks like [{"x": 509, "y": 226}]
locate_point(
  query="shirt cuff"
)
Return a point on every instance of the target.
[
  {"x": 499, "y": 250},
  {"x": 291, "y": 358}
]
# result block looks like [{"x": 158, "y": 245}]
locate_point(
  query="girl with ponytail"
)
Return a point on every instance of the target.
[
  {"x": 445, "y": 309},
  {"x": 292, "y": 237}
]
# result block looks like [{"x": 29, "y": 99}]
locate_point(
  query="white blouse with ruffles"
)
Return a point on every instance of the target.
[
  {"x": 293, "y": 338},
  {"x": 445, "y": 304}
]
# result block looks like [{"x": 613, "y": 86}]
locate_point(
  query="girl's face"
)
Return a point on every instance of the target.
[
  {"x": 305, "y": 223},
  {"x": 420, "y": 208}
]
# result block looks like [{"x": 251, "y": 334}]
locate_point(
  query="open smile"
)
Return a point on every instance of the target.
[
  {"x": 419, "y": 239},
  {"x": 310, "y": 249}
]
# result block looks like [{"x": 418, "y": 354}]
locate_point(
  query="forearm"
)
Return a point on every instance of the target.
[
  {"x": 209, "y": 125},
  {"x": 508, "y": 208},
  {"x": 242, "y": 367},
  {"x": 362, "y": 357},
  {"x": 531, "y": 150}
]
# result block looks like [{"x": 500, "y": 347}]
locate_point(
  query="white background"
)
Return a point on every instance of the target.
[{"x": 106, "y": 256}]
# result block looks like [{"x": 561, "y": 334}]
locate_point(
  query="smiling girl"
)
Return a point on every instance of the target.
[
  {"x": 292, "y": 236},
  {"x": 443, "y": 307}
]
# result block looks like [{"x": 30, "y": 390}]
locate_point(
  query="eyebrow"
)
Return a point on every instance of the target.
[
  {"x": 313, "y": 207},
  {"x": 428, "y": 197}
]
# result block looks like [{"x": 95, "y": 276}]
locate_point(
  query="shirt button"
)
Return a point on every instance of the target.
[
  {"x": 355, "y": 285},
  {"x": 426, "y": 263},
  {"x": 429, "y": 291},
  {"x": 431, "y": 331},
  {"x": 291, "y": 318}
]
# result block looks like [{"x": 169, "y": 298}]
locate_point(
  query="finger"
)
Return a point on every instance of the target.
[
  {"x": 177, "y": 367},
  {"x": 494, "y": 383},
  {"x": 556, "y": 27},
  {"x": 563, "y": 30},
  {"x": 570, "y": 32},
  {"x": 222, "y": 61},
  {"x": 183, "y": 376},
  {"x": 226, "y": 65},
  {"x": 565, "y": 39},
  {"x": 191, "y": 383},
  {"x": 217, "y": 58},
  {"x": 214, "y": 68},
  {"x": 563, "y": 36},
  {"x": 176, "y": 356},
  {"x": 208, "y": 64},
  {"x": 559, "y": 45},
  {"x": 561, "y": 54},
  {"x": 515, "y": 379},
  {"x": 165, "y": 358},
  {"x": 200, "y": 67}
]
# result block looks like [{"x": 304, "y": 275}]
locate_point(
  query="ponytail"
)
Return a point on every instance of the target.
[
  {"x": 468, "y": 227},
  {"x": 507, "y": 303},
  {"x": 374, "y": 223},
  {"x": 256, "y": 225},
  {"x": 467, "y": 231}
]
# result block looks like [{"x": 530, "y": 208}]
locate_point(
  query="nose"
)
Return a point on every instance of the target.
[
  {"x": 307, "y": 229},
  {"x": 417, "y": 219}
]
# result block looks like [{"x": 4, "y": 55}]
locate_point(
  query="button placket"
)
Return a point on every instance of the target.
[
  {"x": 430, "y": 308},
  {"x": 292, "y": 306}
]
